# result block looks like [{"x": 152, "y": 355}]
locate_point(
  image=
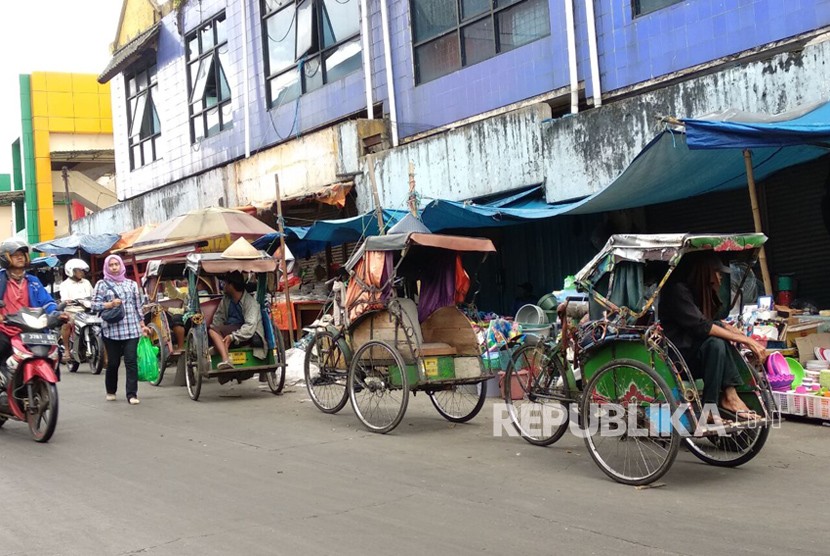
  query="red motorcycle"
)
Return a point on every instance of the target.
[{"x": 31, "y": 392}]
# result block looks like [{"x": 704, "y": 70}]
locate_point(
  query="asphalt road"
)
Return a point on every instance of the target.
[{"x": 245, "y": 472}]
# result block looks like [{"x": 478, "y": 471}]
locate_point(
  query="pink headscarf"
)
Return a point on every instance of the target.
[{"x": 114, "y": 277}]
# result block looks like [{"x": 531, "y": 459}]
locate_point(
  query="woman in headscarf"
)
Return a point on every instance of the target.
[
  {"x": 121, "y": 337},
  {"x": 689, "y": 308}
]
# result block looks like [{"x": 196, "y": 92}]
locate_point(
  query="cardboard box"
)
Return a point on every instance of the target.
[{"x": 807, "y": 344}]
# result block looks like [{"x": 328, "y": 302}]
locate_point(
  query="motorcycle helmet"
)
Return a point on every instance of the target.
[
  {"x": 9, "y": 248},
  {"x": 75, "y": 264}
]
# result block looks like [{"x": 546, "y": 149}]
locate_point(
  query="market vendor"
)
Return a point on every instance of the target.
[
  {"x": 689, "y": 306},
  {"x": 237, "y": 322}
]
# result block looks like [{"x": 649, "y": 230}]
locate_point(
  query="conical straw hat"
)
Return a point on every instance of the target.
[{"x": 241, "y": 249}]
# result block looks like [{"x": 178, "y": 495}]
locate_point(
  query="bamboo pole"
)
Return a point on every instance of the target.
[
  {"x": 375, "y": 194},
  {"x": 412, "y": 202},
  {"x": 756, "y": 217},
  {"x": 283, "y": 265}
]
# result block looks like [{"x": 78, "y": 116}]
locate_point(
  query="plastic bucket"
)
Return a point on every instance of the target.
[
  {"x": 785, "y": 282},
  {"x": 531, "y": 314}
]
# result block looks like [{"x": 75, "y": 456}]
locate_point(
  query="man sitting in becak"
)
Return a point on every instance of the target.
[{"x": 237, "y": 322}]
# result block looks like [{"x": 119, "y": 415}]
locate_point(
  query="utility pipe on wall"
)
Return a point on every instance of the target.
[
  {"x": 245, "y": 100},
  {"x": 390, "y": 78},
  {"x": 367, "y": 57},
  {"x": 571, "y": 36},
  {"x": 596, "y": 87}
]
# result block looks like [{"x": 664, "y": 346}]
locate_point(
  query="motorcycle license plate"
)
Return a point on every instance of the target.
[
  {"x": 39, "y": 339},
  {"x": 238, "y": 357}
]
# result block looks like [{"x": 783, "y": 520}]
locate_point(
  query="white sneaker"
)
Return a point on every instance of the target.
[
  {"x": 134, "y": 401},
  {"x": 110, "y": 397}
]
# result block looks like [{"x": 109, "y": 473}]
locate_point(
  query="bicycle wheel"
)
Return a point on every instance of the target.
[
  {"x": 626, "y": 414},
  {"x": 276, "y": 378},
  {"x": 326, "y": 368},
  {"x": 193, "y": 365},
  {"x": 158, "y": 341},
  {"x": 738, "y": 447},
  {"x": 531, "y": 384},
  {"x": 459, "y": 403},
  {"x": 378, "y": 386}
]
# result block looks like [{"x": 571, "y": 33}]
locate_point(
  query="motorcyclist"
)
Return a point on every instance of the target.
[
  {"x": 18, "y": 289},
  {"x": 75, "y": 287}
]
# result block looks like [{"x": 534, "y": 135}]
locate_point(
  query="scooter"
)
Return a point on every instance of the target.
[
  {"x": 31, "y": 392},
  {"x": 85, "y": 342}
]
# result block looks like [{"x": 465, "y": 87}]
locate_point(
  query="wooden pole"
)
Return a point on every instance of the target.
[
  {"x": 283, "y": 264},
  {"x": 756, "y": 217},
  {"x": 413, "y": 205},
  {"x": 375, "y": 194}
]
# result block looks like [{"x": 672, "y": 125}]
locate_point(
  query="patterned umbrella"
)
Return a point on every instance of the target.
[{"x": 206, "y": 224}]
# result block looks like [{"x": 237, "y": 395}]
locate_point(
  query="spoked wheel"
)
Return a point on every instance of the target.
[
  {"x": 735, "y": 448},
  {"x": 326, "y": 369},
  {"x": 95, "y": 351},
  {"x": 193, "y": 365},
  {"x": 42, "y": 410},
  {"x": 378, "y": 386},
  {"x": 626, "y": 418},
  {"x": 164, "y": 354},
  {"x": 459, "y": 402},
  {"x": 531, "y": 383}
]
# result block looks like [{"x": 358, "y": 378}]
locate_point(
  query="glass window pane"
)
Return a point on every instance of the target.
[
  {"x": 341, "y": 20},
  {"x": 131, "y": 86},
  {"x": 207, "y": 37},
  {"x": 642, "y": 7},
  {"x": 222, "y": 70},
  {"x": 212, "y": 119},
  {"x": 271, "y": 5},
  {"x": 437, "y": 58},
  {"x": 147, "y": 152},
  {"x": 153, "y": 75},
  {"x": 193, "y": 47},
  {"x": 343, "y": 60},
  {"x": 201, "y": 81},
  {"x": 470, "y": 8},
  {"x": 136, "y": 155},
  {"x": 138, "y": 115},
  {"x": 312, "y": 75},
  {"x": 155, "y": 124},
  {"x": 522, "y": 24},
  {"x": 305, "y": 27},
  {"x": 141, "y": 81},
  {"x": 198, "y": 128},
  {"x": 479, "y": 41},
  {"x": 285, "y": 88},
  {"x": 155, "y": 141},
  {"x": 281, "y": 34},
  {"x": 227, "y": 115},
  {"x": 433, "y": 17},
  {"x": 221, "y": 33}
]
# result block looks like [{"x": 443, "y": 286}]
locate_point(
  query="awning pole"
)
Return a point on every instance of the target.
[
  {"x": 378, "y": 209},
  {"x": 756, "y": 217},
  {"x": 283, "y": 265}
]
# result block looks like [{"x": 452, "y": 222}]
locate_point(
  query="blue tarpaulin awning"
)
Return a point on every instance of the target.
[{"x": 69, "y": 245}]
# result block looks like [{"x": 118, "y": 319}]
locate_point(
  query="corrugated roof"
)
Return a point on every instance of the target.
[{"x": 129, "y": 53}]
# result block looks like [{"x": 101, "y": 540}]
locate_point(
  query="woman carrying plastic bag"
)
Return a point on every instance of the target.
[{"x": 148, "y": 362}]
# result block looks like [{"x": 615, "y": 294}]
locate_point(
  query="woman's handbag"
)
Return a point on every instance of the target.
[{"x": 114, "y": 314}]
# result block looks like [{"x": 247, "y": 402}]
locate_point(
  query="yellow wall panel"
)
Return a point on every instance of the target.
[
  {"x": 60, "y": 82},
  {"x": 106, "y": 125},
  {"x": 40, "y": 123},
  {"x": 62, "y": 125},
  {"x": 83, "y": 83},
  {"x": 41, "y": 143},
  {"x": 87, "y": 125},
  {"x": 38, "y": 81},
  {"x": 105, "y": 104},
  {"x": 43, "y": 171},
  {"x": 59, "y": 104},
  {"x": 86, "y": 105},
  {"x": 39, "y": 106}
]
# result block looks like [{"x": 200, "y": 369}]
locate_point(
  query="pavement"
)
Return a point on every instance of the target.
[{"x": 245, "y": 472}]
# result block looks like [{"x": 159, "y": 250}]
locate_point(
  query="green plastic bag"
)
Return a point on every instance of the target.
[{"x": 148, "y": 363}]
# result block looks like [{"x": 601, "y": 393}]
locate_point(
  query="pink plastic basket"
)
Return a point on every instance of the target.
[{"x": 778, "y": 373}]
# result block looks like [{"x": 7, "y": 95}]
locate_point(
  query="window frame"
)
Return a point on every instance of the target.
[
  {"x": 462, "y": 23},
  {"x": 637, "y": 11},
  {"x": 135, "y": 139},
  {"x": 316, "y": 52},
  {"x": 212, "y": 53}
]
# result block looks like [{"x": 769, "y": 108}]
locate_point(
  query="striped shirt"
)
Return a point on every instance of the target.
[{"x": 131, "y": 299}]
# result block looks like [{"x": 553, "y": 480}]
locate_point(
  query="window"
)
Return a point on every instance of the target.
[
  {"x": 143, "y": 125},
  {"x": 451, "y": 34},
  {"x": 642, "y": 7},
  {"x": 308, "y": 43},
  {"x": 207, "y": 79}
]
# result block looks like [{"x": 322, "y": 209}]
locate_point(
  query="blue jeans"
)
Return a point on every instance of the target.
[{"x": 115, "y": 350}]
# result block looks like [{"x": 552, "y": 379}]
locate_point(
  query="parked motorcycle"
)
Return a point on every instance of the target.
[
  {"x": 31, "y": 392},
  {"x": 85, "y": 342}
]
